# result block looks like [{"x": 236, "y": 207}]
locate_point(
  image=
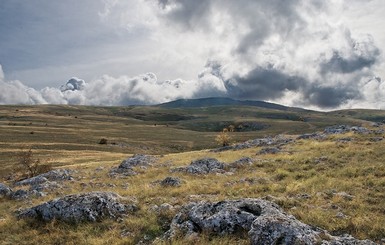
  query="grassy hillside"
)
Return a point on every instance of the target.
[
  {"x": 333, "y": 184},
  {"x": 57, "y": 131}
]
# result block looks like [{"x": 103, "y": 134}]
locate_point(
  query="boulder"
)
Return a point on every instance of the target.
[
  {"x": 244, "y": 161},
  {"x": 137, "y": 160},
  {"x": 53, "y": 175},
  {"x": 269, "y": 150},
  {"x": 5, "y": 191},
  {"x": 171, "y": 181},
  {"x": 220, "y": 218},
  {"x": 263, "y": 221},
  {"x": 279, "y": 140},
  {"x": 92, "y": 206},
  {"x": 202, "y": 166}
]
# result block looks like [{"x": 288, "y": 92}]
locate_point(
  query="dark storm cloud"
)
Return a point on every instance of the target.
[
  {"x": 330, "y": 97},
  {"x": 263, "y": 84}
]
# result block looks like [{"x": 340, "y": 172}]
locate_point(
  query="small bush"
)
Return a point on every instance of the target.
[
  {"x": 29, "y": 166},
  {"x": 103, "y": 141},
  {"x": 223, "y": 138}
]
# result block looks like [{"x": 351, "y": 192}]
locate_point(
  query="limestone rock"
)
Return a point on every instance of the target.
[
  {"x": 171, "y": 181},
  {"x": 5, "y": 191},
  {"x": 262, "y": 220},
  {"x": 137, "y": 160},
  {"x": 92, "y": 206},
  {"x": 226, "y": 217},
  {"x": 203, "y": 166},
  {"x": 53, "y": 175}
]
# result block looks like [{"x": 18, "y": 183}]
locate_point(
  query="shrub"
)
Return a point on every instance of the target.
[
  {"x": 103, "y": 141},
  {"x": 223, "y": 138},
  {"x": 29, "y": 165}
]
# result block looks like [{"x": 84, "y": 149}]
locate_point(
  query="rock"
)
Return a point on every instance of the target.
[
  {"x": 244, "y": 161},
  {"x": 125, "y": 168},
  {"x": 137, "y": 160},
  {"x": 279, "y": 140},
  {"x": 121, "y": 172},
  {"x": 5, "y": 191},
  {"x": 171, "y": 181},
  {"x": 46, "y": 186},
  {"x": 269, "y": 150},
  {"x": 92, "y": 206},
  {"x": 20, "y": 194},
  {"x": 32, "y": 181},
  {"x": 220, "y": 218},
  {"x": 202, "y": 166},
  {"x": 53, "y": 175},
  {"x": 344, "y": 195},
  {"x": 317, "y": 136},
  {"x": 263, "y": 221}
]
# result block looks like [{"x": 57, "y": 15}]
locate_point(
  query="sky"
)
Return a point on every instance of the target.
[{"x": 316, "y": 54}]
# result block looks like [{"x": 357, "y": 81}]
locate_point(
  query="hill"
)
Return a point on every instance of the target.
[{"x": 221, "y": 101}]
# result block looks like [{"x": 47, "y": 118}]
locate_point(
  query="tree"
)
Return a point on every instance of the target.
[{"x": 29, "y": 165}]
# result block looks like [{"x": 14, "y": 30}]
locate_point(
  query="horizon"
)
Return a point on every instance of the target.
[{"x": 306, "y": 54}]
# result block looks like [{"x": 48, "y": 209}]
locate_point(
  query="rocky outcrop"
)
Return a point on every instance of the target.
[
  {"x": 137, "y": 160},
  {"x": 279, "y": 140},
  {"x": 91, "y": 206},
  {"x": 53, "y": 175},
  {"x": 244, "y": 161},
  {"x": 5, "y": 191},
  {"x": 202, "y": 166},
  {"x": 126, "y": 167},
  {"x": 263, "y": 221}
]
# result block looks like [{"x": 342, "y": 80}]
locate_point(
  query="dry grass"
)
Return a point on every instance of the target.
[{"x": 304, "y": 179}]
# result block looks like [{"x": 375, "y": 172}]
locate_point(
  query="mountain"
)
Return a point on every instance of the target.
[{"x": 221, "y": 101}]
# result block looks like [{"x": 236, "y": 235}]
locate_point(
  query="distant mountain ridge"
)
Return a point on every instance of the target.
[{"x": 222, "y": 101}]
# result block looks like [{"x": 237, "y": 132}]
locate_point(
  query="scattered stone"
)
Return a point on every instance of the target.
[
  {"x": 20, "y": 195},
  {"x": 92, "y": 206},
  {"x": 303, "y": 196},
  {"x": 269, "y": 150},
  {"x": 344, "y": 195},
  {"x": 316, "y": 136},
  {"x": 376, "y": 139},
  {"x": 137, "y": 160},
  {"x": 244, "y": 161},
  {"x": 53, "y": 175},
  {"x": 202, "y": 166},
  {"x": 46, "y": 186},
  {"x": 321, "y": 159},
  {"x": 32, "y": 181},
  {"x": 171, "y": 181},
  {"x": 5, "y": 191},
  {"x": 341, "y": 215},
  {"x": 279, "y": 140},
  {"x": 125, "y": 168},
  {"x": 344, "y": 140}
]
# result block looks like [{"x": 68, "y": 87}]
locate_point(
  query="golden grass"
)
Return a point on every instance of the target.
[{"x": 319, "y": 169}]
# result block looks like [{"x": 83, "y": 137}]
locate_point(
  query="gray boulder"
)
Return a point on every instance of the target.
[
  {"x": 244, "y": 161},
  {"x": 92, "y": 206},
  {"x": 220, "y": 218},
  {"x": 269, "y": 150},
  {"x": 20, "y": 194},
  {"x": 263, "y": 221},
  {"x": 53, "y": 175},
  {"x": 171, "y": 181},
  {"x": 137, "y": 160},
  {"x": 202, "y": 166},
  {"x": 5, "y": 191}
]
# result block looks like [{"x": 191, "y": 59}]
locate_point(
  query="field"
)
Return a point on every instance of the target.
[{"x": 332, "y": 183}]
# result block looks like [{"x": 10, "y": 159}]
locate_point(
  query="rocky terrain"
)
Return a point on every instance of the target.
[{"x": 72, "y": 198}]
